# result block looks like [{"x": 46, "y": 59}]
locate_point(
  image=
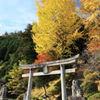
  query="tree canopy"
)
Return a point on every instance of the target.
[
  {"x": 90, "y": 10},
  {"x": 58, "y": 28}
]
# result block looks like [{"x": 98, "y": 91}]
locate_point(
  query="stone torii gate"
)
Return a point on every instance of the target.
[{"x": 44, "y": 65}]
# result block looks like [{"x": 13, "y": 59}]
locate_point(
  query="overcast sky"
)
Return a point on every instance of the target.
[{"x": 16, "y": 14}]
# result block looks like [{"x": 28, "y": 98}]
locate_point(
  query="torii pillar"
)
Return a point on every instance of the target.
[
  {"x": 28, "y": 93},
  {"x": 63, "y": 83}
]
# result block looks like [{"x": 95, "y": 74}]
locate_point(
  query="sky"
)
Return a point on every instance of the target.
[{"x": 15, "y": 15}]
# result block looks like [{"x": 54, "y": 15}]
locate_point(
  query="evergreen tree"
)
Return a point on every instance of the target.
[
  {"x": 15, "y": 47},
  {"x": 26, "y": 50}
]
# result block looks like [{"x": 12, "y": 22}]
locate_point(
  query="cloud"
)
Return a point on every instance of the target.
[
  {"x": 16, "y": 14},
  {"x": 10, "y": 28}
]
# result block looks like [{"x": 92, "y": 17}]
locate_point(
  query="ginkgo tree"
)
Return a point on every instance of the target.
[
  {"x": 58, "y": 27},
  {"x": 90, "y": 9}
]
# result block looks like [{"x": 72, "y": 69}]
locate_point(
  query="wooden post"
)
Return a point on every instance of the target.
[
  {"x": 29, "y": 85},
  {"x": 63, "y": 82}
]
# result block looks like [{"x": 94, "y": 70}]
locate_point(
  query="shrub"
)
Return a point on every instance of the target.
[
  {"x": 87, "y": 72},
  {"x": 92, "y": 76},
  {"x": 89, "y": 87},
  {"x": 89, "y": 94},
  {"x": 56, "y": 90},
  {"x": 96, "y": 96},
  {"x": 35, "y": 98},
  {"x": 20, "y": 97},
  {"x": 67, "y": 76}
]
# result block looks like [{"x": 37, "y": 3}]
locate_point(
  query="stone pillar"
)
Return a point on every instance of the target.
[
  {"x": 63, "y": 83},
  {"x": 3, "y": 92},
  {"x": 29, "y": 85}
]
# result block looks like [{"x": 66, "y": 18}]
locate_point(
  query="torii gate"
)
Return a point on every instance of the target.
[{"x": 44, "y": 65}]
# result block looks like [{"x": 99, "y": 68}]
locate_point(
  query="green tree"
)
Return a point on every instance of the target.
[
  {"x": 16, "y": 85},
  {"x": 26, "y": 50},
  {"x": 14, "y": 47}
]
